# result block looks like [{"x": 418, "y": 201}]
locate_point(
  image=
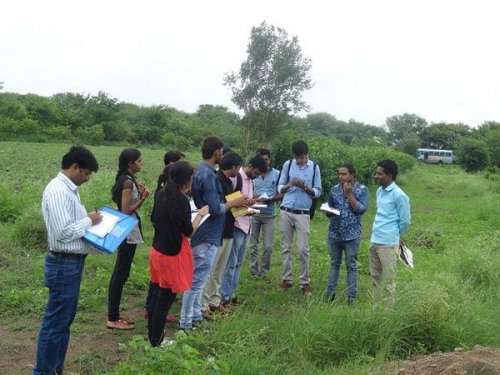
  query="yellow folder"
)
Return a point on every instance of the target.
[{"x": 236, "y": 211}]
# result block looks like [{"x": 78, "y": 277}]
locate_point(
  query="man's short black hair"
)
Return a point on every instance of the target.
[
  {"x": 264, "y": 151},
  {"x": 172, "y": 157},
  {"x": 82, "y": 157},
  {"x": 350, "y": 168},
  {"x": 258, "y": 163},
  {"x": 209, "y": 146},
  {"x": 230, "y": 160},
  {"x": 300, "y": 148},
  {"x": 389, "y": 167}
]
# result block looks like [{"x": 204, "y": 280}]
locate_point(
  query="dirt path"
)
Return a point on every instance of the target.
[{"x": 480, "y": 361}]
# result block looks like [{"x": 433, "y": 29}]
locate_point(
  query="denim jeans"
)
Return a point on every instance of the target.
[
  {"x": 119, "y": 277},
  {"x": 266, "y": 224},
  {"x": 350, "y": 249},
  {"x": 203, "y": 256},
  {"x": 62, "y": 278},
  {"x": 231, "y": 276}
]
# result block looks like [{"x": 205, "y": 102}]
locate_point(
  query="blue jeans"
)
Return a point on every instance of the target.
[
  {"x": 62, "y": 277},
  {"x": 231, "y": 276},
  {"x": 203, "y": 256},
  {"x": 350, "y": 248}
]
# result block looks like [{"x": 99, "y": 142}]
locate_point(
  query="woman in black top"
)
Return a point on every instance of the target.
[
  {"x": 171, "y": 259},
  {"x": 128, "y": 196}
]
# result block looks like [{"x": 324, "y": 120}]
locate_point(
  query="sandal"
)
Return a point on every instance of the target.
[{"x": 119, "y": 324}]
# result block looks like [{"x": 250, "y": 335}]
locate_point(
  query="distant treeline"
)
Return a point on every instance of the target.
[{"x": 101, "y": 119}]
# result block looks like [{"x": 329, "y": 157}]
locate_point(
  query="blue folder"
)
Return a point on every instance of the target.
[{"x": 113, "y": 239}]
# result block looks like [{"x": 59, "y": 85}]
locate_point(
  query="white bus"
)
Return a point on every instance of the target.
[{"x": 430, "y": 155}]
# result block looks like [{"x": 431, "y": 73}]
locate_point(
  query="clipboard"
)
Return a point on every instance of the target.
[{"x": 110, "y": 242}]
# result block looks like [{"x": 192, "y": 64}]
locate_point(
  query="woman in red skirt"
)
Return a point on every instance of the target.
[{"x": 170, "y": 259}]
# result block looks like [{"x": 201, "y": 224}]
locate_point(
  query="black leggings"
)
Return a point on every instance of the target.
[
  {"x": 120, "y": 275},
  {"x": 159, "y": 304}
]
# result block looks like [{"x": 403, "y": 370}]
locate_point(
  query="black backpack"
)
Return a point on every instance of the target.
[{"x": 314, "y": 202}]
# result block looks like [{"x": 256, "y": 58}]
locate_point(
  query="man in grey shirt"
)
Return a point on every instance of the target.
[{"x": 66, "y": 220}]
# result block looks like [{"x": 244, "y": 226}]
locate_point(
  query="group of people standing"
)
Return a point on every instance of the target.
[{"x": 201, "y": 257}]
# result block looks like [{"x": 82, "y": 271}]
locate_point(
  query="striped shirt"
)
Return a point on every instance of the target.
[{"x": 65, "y": 217}]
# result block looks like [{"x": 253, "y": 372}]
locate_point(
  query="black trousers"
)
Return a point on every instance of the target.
[
  {"x": 120, "y": 275},
  {"x": 158, "y": 306}
]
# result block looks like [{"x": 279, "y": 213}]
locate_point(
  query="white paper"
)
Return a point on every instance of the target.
[
  {"x": 259, "y": 206},
  {"x": 326, "y": 207},
  {"x": 194, "y": 212},
  {"x": 106, "y": 225},
  {"x": 264, "y": 197},
  {"x": 406, "y": 256},
  {"x": 253, "y": 211}
]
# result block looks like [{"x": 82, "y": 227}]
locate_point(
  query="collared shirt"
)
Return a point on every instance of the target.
[
  {"x": 267, "y": 184},
  {"x": 207, "y": 190},
  {"x": 393, "y": 215},
  {"x": 65, "y": 217},
  {"x": 244, "y": 222},
  {"x": 347, "y": 226},
  {"x": 296, "y": 198}
]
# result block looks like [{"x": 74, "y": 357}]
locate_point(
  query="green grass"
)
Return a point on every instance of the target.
[{"x": 449, "y": 300}]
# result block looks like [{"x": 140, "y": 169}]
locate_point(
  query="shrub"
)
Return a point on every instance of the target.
[
  {"x": 8, "y": 206},
  {"x": 473, "y": 155},
  {"x": 181, "y": 357},
  {"x": 29, "y": 229}
]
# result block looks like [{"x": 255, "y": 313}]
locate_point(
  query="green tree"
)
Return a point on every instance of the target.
[
  {"x": 409, "y": 145},
  {"x": 444, "y": 136},
  {"x": 402, "y": 126},
  {"x": 489, "y": 132},
  {"x": 269, "y": 85},
  {"x": 473, "y": 155},
  {"x": 11, "y": 107}
]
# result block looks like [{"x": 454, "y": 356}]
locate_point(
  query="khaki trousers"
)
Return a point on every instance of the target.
[
  {"x": 383, "y": 262},
  {"x": 299, "y": 223},
  {"x": 211, "y": 292}
]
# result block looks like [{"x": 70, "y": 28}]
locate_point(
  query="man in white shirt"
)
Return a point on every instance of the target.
[{"x": 66, "y": 220}]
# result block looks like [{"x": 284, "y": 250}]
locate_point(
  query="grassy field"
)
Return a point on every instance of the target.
[{"x": 449, "y": 300}]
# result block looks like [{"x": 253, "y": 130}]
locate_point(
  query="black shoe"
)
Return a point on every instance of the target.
[{"x": 329, "y": 298}]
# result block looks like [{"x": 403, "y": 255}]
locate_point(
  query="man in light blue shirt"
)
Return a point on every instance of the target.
[
  {"x": 300, "y": 182},
  {"x": 265, "y": 184},
  {"x": 391, "y": 222}
]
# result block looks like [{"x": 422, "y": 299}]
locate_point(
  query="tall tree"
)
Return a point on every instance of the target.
[
  {"x": 405, "y": 125},
  {"x": 270, "y": 83}
]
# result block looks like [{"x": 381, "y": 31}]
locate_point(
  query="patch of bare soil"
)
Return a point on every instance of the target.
[
  {"x": 479, "y": 361},
  {"x": 88, "y": 352}
]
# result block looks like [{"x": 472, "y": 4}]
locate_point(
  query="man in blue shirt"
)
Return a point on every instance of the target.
[
  {"x": 207, "y": 190},
  {"x": 300, "y": 181},
  {"x": 265, "y": 184},
  {"x": 344, "y": 235},
  {"x": 391, "y": 222}
]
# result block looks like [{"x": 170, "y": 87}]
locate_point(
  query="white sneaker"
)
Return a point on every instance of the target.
[{"x": 167, "y": 342}]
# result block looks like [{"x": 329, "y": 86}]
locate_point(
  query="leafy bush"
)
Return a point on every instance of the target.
[
  {"x": 473, "y": 155},
  {"x": 29, "y": 229},
  {"x": 8, "y": 206},
  {"x": 181, "y": 357}
]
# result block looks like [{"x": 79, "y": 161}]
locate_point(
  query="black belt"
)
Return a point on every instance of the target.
[
  {"x": 298, "y": 212},
  {"x": 60, "y": 255}
]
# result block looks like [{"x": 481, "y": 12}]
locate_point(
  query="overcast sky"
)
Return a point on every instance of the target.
[{"x": 370, "y": 59}]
